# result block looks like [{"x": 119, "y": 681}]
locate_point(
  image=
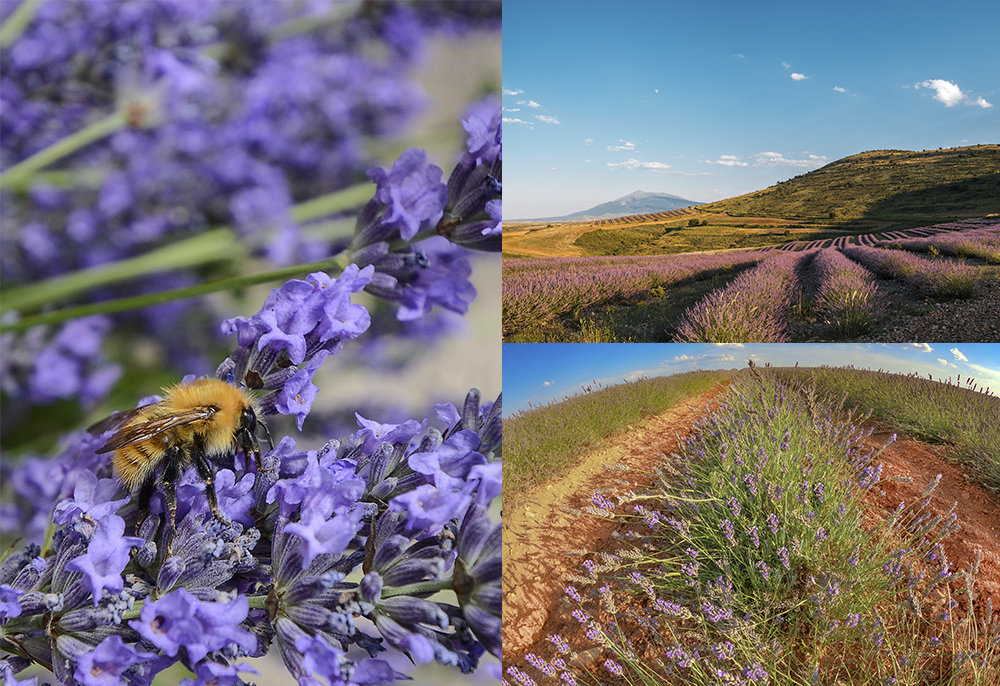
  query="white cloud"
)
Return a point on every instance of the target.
[
  {"x": 588, "y": 141},
  {"x": 625, "y": 145},
  {"x": 546, "y": 119},
  {"x": 632, "y": 163},
  {"x": 776, "y": 159},
  {"x": 922, "y": 347},
  {"x": 770, "y": 159},
  {"x": 515, "y": 120},
  {"x": 786, "y": 65},
  {"x": 682, "y": 358},
  {"x": 528, "y": 103},
  {"x": 656, "y": 90},
  {"x": 799, "y": 77},
  {"x": 839, "y": 89},
  {"x": 946, "y": 363},
  {"x": 730, "y": 161},
  {"x": 729, "y": 345},
  {"x": 958, "y": 355},
  {"x": 950, "y": 94},
  {"x": 546, "y": 384},
  {"x": 508, "y": 91}
]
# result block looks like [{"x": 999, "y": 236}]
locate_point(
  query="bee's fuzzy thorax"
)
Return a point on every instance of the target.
[{"x": 219, "y": 431}]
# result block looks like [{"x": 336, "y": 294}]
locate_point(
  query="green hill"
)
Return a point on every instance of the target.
[{"x": 883, "y": 184}]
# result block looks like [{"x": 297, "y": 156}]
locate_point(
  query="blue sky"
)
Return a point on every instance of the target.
[
  {"x": 539, "y": 373},
  {"x": 711, "y": 99}
]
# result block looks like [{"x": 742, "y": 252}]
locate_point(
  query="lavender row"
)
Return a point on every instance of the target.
[
  {"x": 541, "y": 289},
  {"x": 753, "y": 308},
  {"x": 934, "y": 278},
  {"x": 847, "y": 299},
  {"x": 983, "y": 243}
]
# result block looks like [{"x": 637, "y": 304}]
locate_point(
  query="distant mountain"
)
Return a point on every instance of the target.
[
  {"x": 882, "y": 184},
  {"x": 639, "y": 202}
]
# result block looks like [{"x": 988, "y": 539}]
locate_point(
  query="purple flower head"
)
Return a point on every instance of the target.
[
  {"x": 215, "y": 674},
  {"x": 412, "y": 193},
  {"x": 325, "y": 536},
  {"x": 106, "y": 664},
  {"x": 91, "y": 496},
  {"x": 455, "y": 457},
  {"x": 478, "y": 571},
  {"x": 179, "y": 620},
  {"x": 320, "y": 488},
  {"x": 304, "y": 321},
  {"x": 430, "y": 507},
  {"x": 297, "y": 395},
  {"x": 9, "y": 605},
  {"x": 375, "y": 433},
  {"x": 322, "y": 659},
  {"x": 106, "y": 557}
]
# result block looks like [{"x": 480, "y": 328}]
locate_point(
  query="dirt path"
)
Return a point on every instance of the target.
[{"x": 539, "y": 535}]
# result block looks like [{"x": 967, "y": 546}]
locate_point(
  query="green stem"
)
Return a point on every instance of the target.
[
  {"x": 18, "y": 21},
  {"x": 212, "y": 246},
  {"x": 215, "y": 245},
  {"x": 19, "y": 176},
  {"x": 337, "y": 263},
  {"x": 418, "y": 588}
]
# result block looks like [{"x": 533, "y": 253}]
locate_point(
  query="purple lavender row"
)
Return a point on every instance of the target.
[
  {"x": 847, "y": 299},
  {"x": 753, "y": 308},
  {"x": 933, "y": 278},
  {"x": 983, "y": 243},
  {"x": 538, "y": 290}
]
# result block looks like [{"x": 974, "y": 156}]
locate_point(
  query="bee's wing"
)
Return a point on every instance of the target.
[
  {"x": 142, "y": 431},
  {"x": 115, "y": 420}
]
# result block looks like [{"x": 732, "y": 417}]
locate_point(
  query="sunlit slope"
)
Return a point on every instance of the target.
[{"x": 883, "y": 184}]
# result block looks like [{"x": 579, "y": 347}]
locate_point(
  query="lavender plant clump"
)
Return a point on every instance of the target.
[
  {"x": 130, "y": 126},
  {"x": 753, "y": 308},
  {"x": 847, "y": 298},
  {"x": 933, "y": 278}
]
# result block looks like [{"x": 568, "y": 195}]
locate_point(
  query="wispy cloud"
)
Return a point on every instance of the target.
[
  {"x": 799, "y": 77},
  {"x": 546, "y": 119},
  {"x": 950, "y": 94},
  {"x": 625, "y": 145},
  {"x": 770, "y": 159},
  {"x": 588, "y": 141},
  {"x": 946, "y": 363},
  {"x": 528, "y": 103},
  {"x": 515, "y": 120},
  {"x": 922, "y": 347},
  {"x": 730, "y": 161},
  {"x": 632, "y": 163},
  {"x": 958, "y": 355},
  {"x": 509, "y": 91}
]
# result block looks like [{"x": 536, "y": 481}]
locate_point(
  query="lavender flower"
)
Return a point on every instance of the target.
[{"x": 105, "y": 558}]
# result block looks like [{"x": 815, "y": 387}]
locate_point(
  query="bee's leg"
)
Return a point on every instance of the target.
[
  {"x": 250, "y": 448},
  {"x": 205, "y": 473},
  {"x": 145, "y": 493},
  {"x": 170, "y": 475}
]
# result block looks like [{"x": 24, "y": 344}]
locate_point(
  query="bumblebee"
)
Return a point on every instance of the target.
[{"x": 193, "y": 423}]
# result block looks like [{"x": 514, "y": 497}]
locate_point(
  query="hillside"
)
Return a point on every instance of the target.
[
  {"x": 639, "y": 202},
  {"x": 882, "y": 184}
]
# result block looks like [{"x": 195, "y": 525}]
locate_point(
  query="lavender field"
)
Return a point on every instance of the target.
[
  {"x": 836, "y": 289},
  {"x": 766, "y": 550}
]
